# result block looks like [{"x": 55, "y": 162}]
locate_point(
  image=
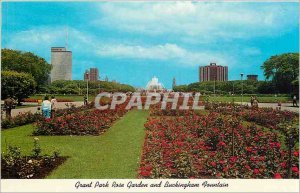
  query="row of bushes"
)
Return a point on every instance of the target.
[{"x": 29, "y": 117}]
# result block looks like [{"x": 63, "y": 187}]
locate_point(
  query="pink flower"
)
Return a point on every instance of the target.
[
  {"x": 222, "y": 143},
  {"x": 296, "y": 153},
  {"x": 283, "y": 164},
  {"x": 256, "y": 171},
  {"x": 233, "y": 159},
  {"x": 218, "y": 175},
  {"x": 295, "y": 169},
  {"x": 248, "y": 167},
  {"x": 213, "y": 164},
  {"x": 277, "y": 175}
]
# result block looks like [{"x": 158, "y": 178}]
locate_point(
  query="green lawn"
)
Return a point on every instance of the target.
[
  {"x": 262, "y": 99},
  {"x": 237, "y": 98},
  {"x": 115, "y": 154},
  {"x": 68, "y": 97}
]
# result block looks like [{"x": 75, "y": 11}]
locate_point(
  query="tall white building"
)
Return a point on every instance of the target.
[{"x": 61, "y": 61}]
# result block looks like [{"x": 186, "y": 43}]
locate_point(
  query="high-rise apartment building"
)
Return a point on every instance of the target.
[
  {"x": 91, "y": 75},
  {"x": 94, "y": 74},
  {"x": 61, "y": 61},
  {"x": 252, "y": 77},
  {"x": 213, "y": 72}
]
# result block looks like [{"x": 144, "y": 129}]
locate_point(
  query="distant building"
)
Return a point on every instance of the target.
[
  {"x": 91, "y": 75},
  {"x": 252, "y": 77},
  {"x": 94, "y": 74},
  {"x": 213, "y": 72},
  {"x": 61, "y": 61},
  {"x": 154, "y": 85},
  {"x": 86, "y": 75},
  {"x": 173, "y": 83}
]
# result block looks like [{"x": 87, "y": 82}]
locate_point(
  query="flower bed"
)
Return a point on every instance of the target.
[
  {"x": 85, "y": 123},
  {"x": 20, "y": 119},
  {"x": 225, "y": 108},
  {"x": 268, "y": 117},
  {"x": 36, "y": 166},
  {"x": 202, "y": 147},
  {"x": 28, "y": 117}
]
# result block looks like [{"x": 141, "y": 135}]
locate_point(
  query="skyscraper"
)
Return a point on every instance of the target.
[
  {"x": 94, "y": 74},
  {"x": 174, "y": 83},
  {"x": 213, "y": 72},
  {"x": 61, "y": 61}
]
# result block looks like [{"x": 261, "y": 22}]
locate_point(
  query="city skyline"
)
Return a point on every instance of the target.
[{"x": 132, "y": 42}]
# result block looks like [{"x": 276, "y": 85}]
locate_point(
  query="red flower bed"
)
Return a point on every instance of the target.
[
  {"x": 268, "y": 117},
  {"x": 86, "y": 123},
  {"x": 201, "y": 147}
]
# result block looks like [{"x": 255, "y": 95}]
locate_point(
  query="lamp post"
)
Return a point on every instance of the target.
[
  {"x": 87, "y": 86},
  {"x": 99, "y": 84},
  {"x": 242, "y": 74},
  {"x": 214, "y": 86}
]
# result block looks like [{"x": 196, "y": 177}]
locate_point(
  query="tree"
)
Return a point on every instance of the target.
[
  {"x": 17, "y": 85},
  {"x": 26, "y": 62},
  {"x": 282, "y": 70}
]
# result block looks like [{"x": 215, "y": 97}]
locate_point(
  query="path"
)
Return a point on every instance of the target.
[
  {"x": 284, "y": 106},
  {"x": 115, "y": 154},
  {"x": 60, "y": 105}
]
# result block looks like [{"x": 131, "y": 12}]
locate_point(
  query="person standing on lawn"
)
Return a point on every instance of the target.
[
  {"x": 279, "y": 105},
  {"x": 46, "y": 107},
  {"x": 295, "y": 101},
  {"x": 85, "y": 102},
  {"x": 53, "y": 106},
  {"x": 9, "y": 104},
  {"x": 255, "y": 103},
  {"x": 251, "y": 100}
]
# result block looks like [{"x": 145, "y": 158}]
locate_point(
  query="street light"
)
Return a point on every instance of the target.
[
  {"x": 242, "y": 74},
  {"x": 215, "y": 86},
  {"x": 87, "y": 86}
]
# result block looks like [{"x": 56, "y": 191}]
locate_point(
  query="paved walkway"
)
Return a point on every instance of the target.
[
  {"x": 284, "y": 106},
  {"x": 60, "y": 105}
]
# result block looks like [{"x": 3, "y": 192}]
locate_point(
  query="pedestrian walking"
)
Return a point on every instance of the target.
[
  {"x": 53, "y": 106},
  {"x": 251, "y": 100},
  {"x": 295, "y": 101},
  {"x": 85, "y": 102},
  {"x": 46, "y": 107},
  {"x": 279, "y": 105},
  {"x": 255, "y": 102},
  {"x": 9, "y": 104}
]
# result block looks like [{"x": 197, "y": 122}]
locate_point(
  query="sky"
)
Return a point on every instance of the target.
[{"x": 131, "y": 42}]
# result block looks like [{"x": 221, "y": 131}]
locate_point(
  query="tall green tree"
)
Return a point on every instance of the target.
[
  {"x": 282, "y": 70},
  {"x": 26, "y": 62},
  {"x": 18, "y": 85}
]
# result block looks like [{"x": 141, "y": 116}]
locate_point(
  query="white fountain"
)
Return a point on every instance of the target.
[{"x": 154, "y": 85}]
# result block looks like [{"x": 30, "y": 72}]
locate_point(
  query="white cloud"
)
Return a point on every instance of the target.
[
  {"x": 40, "y": 40},
  {"x": 203, "y": 21},
  {"x": 167, "y": 51}
]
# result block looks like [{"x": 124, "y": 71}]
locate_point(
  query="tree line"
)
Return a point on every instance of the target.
[
  {"x": 281, "y": 73},
  {"x": 24, "y": 74}
]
